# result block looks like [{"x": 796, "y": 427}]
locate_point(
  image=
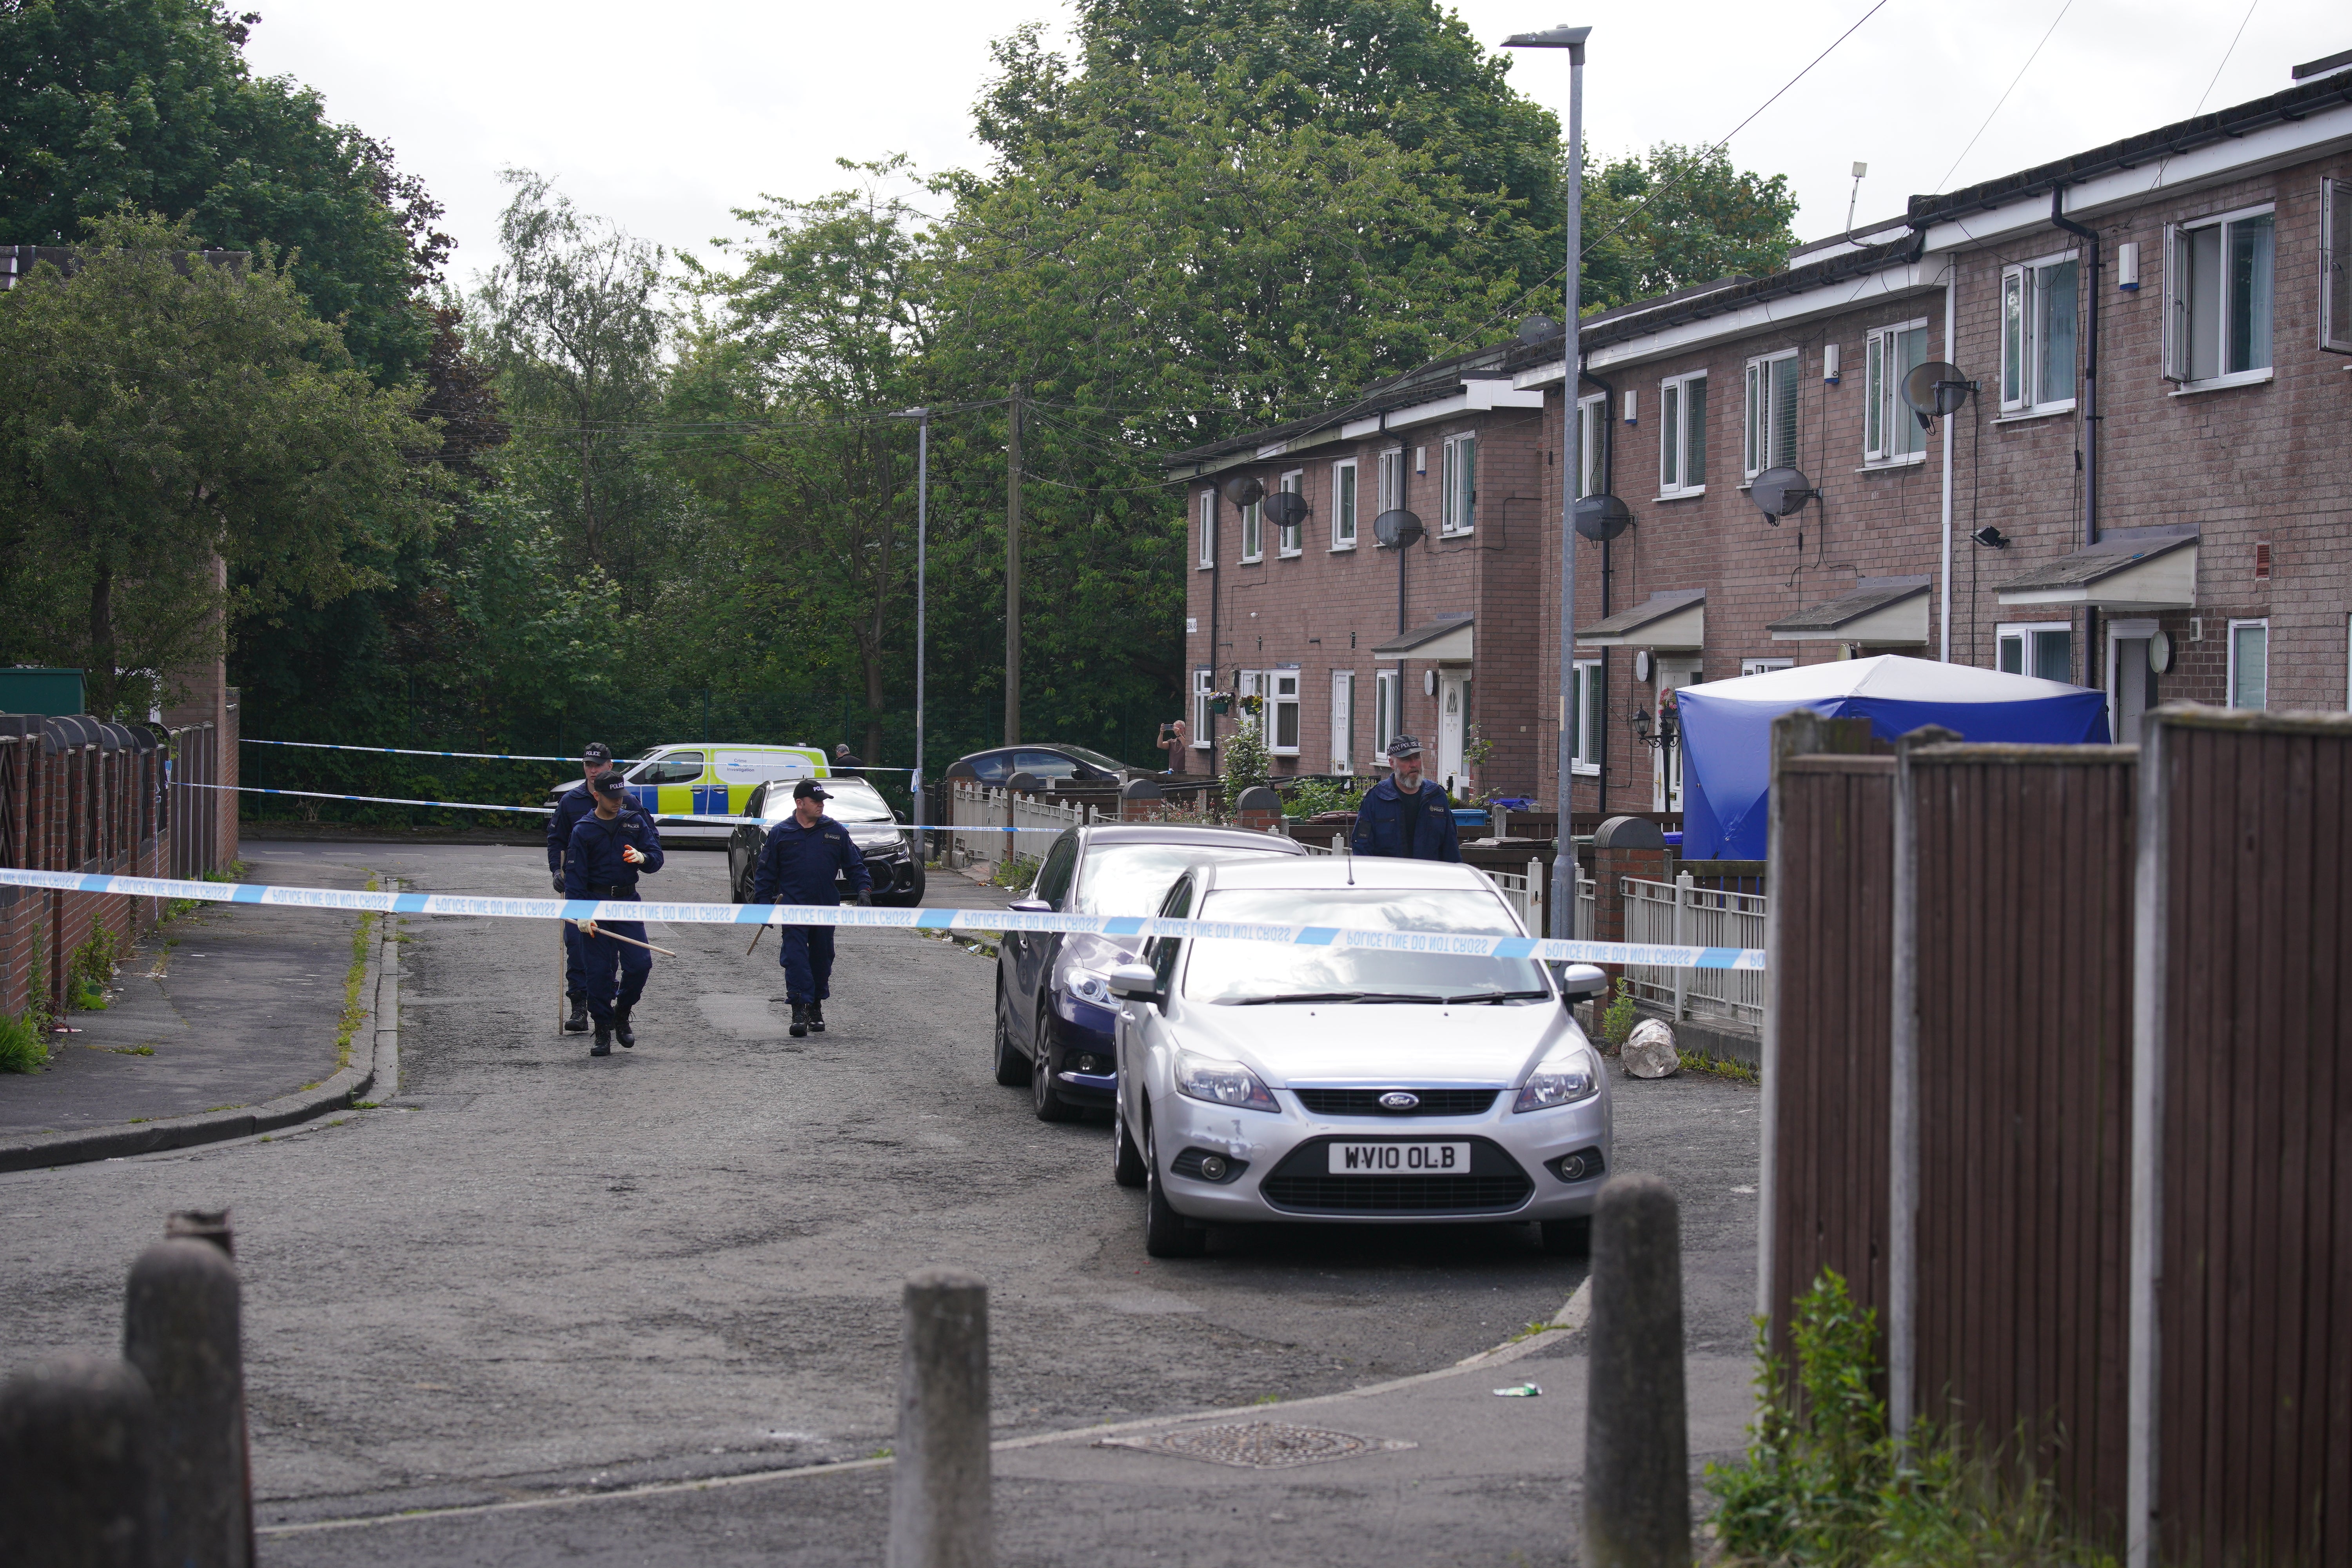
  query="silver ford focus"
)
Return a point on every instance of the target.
[{"x": 1262, "y": 1082}]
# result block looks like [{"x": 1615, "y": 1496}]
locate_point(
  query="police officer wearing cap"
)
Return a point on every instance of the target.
[
  {"x": 803, "y": 854},
  {"x": 610, "y": 848},
  {"x": 569, "y": 808},
  {"x": 1405, "y": 816}
]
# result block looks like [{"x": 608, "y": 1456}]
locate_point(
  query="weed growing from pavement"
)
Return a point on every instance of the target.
[
  {"x": 353, "y": 1012},
  {"x": 90, "y": 967},
  {"x": 1719, "y": 1066},
  {"x": 1617, "y": 1024},
  {"x": 21, "y": 1047},
  {"x": 1014, "y": 873},
  {"x": 133, "y": 1050}
]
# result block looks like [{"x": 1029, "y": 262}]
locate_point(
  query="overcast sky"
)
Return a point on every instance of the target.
[{"x": 668, "y": 118}]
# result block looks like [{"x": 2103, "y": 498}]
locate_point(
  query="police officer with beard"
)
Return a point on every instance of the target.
[
  {"x": 797, "y": 865},
  {"x": 569, "y": 808},
  {"x": 608, "y": 850}
]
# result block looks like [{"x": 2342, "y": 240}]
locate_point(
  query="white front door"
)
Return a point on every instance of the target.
[
  {"x": 1453, "y": 700},
  {"x": 1666, "y": 767},
  {"x": 2131, "y": 683}
]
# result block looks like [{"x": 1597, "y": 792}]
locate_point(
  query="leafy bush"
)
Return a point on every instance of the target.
[
  {"x": 1245, "y": 760},
  {"x": 21, "y": 1047},
  {"x": 1015, "y": 872},
  {"x": 91, "y": 966},
  {"x": 1314, "y": 796}
]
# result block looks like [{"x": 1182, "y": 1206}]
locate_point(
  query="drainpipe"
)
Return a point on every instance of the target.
[
  {"x": 1608, "y": 486},
  {"x": 1951, "y": 314},
  {"x": 1216, "y": 566},
  {"x": 2090, "y": 238}
]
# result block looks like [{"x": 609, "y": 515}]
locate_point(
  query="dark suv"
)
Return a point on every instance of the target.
[{"x": 1048, "y": 763}]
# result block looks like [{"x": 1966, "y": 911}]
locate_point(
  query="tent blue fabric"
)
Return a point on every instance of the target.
[{"x": 1727, "y": 729}]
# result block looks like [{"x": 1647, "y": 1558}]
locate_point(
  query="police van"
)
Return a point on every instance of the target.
[{"x": 708, "y": 780}]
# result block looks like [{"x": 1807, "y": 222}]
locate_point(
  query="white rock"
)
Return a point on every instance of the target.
[{"x": 1650, "y": 1052}]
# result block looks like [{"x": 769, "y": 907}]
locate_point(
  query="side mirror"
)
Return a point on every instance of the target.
[
  {"x": 1033, "y": 907},
  {"x": 1134, "y": 982},
  {"x": 1580, "y": 981}
]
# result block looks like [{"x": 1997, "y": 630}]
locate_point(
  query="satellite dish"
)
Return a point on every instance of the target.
[
  {"x": 1537, "y": 330},
  {"x": 1396, "y": 530},
  {"x": 1285, "y": 509},
  {"x": 1936, "y": 389},
  {"x": 1781, "y": 491},
  {"x": 1602, "y": 518},
  {"x": 1241, "y": 491}
]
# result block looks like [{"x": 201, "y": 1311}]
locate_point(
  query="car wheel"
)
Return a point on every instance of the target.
[
  {"x": 1012, "y": 1067},
  {"x": 1044, "y": 1094},
  {"x": 1166, "y": 1233},
  {"x": 1566, "y": 1238},
  {"x": 914, "y": 893},
  {"x": 1126, "y": 1159}
]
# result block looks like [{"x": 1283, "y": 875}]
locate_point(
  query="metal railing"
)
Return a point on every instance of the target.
[
  {"x": 987, "y": 812},
  {"x": 1524, "y": 891},
  {"x": 1681, "y": 913}
]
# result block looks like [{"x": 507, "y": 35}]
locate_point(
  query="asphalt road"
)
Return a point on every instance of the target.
[{"x": 534, "y": 1273}]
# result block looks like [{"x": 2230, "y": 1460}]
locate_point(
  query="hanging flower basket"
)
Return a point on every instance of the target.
[{"x": 1221, "y": 703}]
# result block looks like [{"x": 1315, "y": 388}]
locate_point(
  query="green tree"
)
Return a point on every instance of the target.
[
  {"x": 149, "y": 103},
  {"x": 1675, "y": 217},
  {"x": 161, "y": 414}
]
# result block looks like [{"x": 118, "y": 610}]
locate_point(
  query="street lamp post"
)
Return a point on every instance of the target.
[
  {"x": 1562, "y": 901},
  {"x": 922, "y": 418}
]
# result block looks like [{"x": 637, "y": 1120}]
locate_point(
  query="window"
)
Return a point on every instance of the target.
[
  {"x": 2038, "y": 309},
  {"x": 1053, "y": 882},
  {"x": 2045, "y": 650},
  {"x": 1288, "y": 536},
  {"x": 1458, "y": 500},
  {"x": 1343, "y": 505},
  {"x": 1765, "y": 666},
  {"x": 1771, "y": 427},
  {"x": 2250, "y": 664},
  {"x": 2335, "y": 265},
  {"x": 676, "y": 768},
  {"x": 1889, "y": 432},
  {"x": 1392, "y": 479},
  {"x": 1208, "y": 529},
  {"x": 1205, "y": 682},
  {"x": 1283, "y": 739},
  {"x": 1585, "y": 709},
  {"x": 1253, "y": 531},
  {"x": 1386, "y": 690},
  {"x": 1682, "y": 436},
  {"x": 2217, "y": 284},
  {"x": 1343, "y": 721},
  {"x": 1591, "y": 430}
]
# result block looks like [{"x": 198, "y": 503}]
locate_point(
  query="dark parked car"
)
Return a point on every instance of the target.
[
  {"x": 1054, "y": 1014},
  {"x": 897, "y": 871},
  {"x": 1050, "y": 763}
]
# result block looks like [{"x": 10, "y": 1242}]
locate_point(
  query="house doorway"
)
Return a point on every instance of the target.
[
  {"x": 2131, "y": 679},
  {"x": 1452, "y": 720},
  {"x": 1674, "y": 672}
]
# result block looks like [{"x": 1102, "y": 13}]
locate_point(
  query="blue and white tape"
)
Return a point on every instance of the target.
[{"x": 919, "y": 919}]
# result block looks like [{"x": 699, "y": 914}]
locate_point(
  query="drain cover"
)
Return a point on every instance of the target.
[{"x": 1256, "y": 1445}]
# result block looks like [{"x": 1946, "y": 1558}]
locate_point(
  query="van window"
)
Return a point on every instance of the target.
[
  {"x": 677, "y": 768},
  {"x": 756, "y": 767},
  {"x": 1045, "y": 764}
]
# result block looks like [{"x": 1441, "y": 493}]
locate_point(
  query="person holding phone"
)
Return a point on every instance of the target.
[{"x": 1176, "y": 739}]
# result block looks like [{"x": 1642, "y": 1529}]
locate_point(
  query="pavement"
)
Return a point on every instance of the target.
[
  {"x": 543, "y": 1308},
  {"x": 220, "y": 1009}
]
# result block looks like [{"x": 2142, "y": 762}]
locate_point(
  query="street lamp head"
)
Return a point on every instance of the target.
[
  {"x": 1560, "y": 37},
  {"x": 912, "y": 414}
]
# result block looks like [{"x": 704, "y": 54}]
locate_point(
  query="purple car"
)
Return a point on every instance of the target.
[{"x": 1054, "y": 1014}]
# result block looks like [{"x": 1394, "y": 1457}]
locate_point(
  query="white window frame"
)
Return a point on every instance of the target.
[
  {"x": 1392, "y": 479},
  {"x": 1591, "y": 431},
  {"x": 1884, "y": 412},
  {"x": 1282, "y": 692},
  {"x": 1765, "y": 666},
  {"x": 2263, "y": 625},
  {"x": 2023, "y": 323},
  {"x": 1388, "y": 718},
  {"x": 1763, "y": 422},
  {"x": 2335, "y": 266},
  {"x": 1458, "y": 485},
  {"x": 2022, "y": 632},
  {"x": 1343, "y": 721},
  {"x": 2180, "y": 329},
  {"x": 1347, "y": 497},
  {"x": 1205, "y": 682},
  {"x": 1675, "y": 429},
  {"x": 1586, "y": 708},
  {"x": 1208, "y": 524},
  {"x": 1289, "y": 542},
  {"x": 1253, "y": 532}
]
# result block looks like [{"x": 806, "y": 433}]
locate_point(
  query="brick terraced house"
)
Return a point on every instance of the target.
[{"x": 2146, "y": 488}]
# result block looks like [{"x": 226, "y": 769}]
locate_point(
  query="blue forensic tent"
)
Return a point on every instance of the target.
[{"x": 1727, "y": 729}]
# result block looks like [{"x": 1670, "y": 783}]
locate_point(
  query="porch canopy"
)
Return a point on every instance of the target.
[{"x": 1727, "y": 729}]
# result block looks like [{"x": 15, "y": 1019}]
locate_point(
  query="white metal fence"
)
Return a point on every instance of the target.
[
  {"x": 1523, "y": 891},
  {"x": 1683, "y": 914},
  {"x": 981, "y": 812}
]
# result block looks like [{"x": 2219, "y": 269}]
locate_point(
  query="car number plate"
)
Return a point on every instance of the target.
[{"x": 1394, "y": 1159}]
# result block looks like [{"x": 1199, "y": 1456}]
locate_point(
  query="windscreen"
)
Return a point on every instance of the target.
[
  {"x": 1131, "y": 878},
  {"x": 1088, "y": 754},
  {"x": 852, "y": 801},
  {"x": 1245, "y": 973}
]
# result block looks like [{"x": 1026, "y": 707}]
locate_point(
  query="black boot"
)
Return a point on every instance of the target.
[
  {"x": 621, "y": 1030},
  {"x": 603, "y": 1046},
  {"x": 800, "y": 1020},
  {"x": 578, "y": 1023},
  {"x": 816, "y": 1018}
]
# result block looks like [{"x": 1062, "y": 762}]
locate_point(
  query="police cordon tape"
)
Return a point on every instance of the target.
[
  {"x": 489, "y": 756},
  {"x": 549, "y": 811},
  {"x": 1458, "y": 943}
]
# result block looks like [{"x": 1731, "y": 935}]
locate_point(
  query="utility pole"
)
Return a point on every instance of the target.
[{"x": 1012, "y": 576}]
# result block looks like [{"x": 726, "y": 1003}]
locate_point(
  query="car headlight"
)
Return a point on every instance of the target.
[
  {"x": 1563, "y": 1079},
  {"x": 1221, "y": 1083},
  {"x": 1089, "y": 985}
]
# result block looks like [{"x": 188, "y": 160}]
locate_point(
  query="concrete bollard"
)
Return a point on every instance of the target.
[
  {"x": 1636, "y": 1425},
  {"x": 77, "y": 1438},
  {"x": 940, "y": 1486},
  {"x": 181, "y": 1328}
]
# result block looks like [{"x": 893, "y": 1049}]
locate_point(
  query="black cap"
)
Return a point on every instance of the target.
[
  {"x": 596, "y": 751},
  {"x": 608, "y": 784},
  {"x": 809, "y": 789}
]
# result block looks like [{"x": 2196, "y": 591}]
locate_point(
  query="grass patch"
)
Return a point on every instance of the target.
[
  {"x": 1532, "y": 1329},
  {"x": 24, "y": 1046},
  {"x": 1014, "y": 873},
  {"x": 1267, "y": 1399},
  {"x": 133, "y": 1050},
  {"x": 1718, "y": 1066},
  {"x": 355, "y": 1010}
]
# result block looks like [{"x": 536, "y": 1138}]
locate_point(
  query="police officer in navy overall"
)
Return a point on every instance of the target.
[
  {"x": 569, "y": 808},
  {"x": 1405, "y": 816},
  {"x": 803, "y": 855},
  {"x": 610, "y": 848}
]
